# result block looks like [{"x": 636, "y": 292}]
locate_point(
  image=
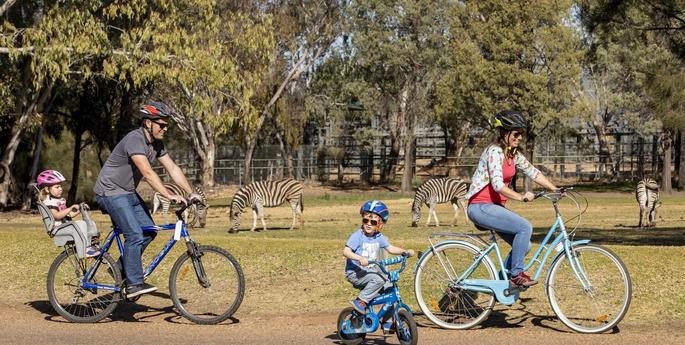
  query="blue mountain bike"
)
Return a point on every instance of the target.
[
  {"x": 588, "y": 286},
  {"x": 206, "y": 283},
  {"x": 353, "y": 326}
]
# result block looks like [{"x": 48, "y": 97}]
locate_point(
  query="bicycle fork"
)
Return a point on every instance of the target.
[{"x": 195, "y": 255}]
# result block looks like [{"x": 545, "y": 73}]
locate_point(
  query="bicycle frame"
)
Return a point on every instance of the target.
[
  {"x": 180, "y": 231},
  {"x": 500, "y": 287},
  {"x": 372, "y": 318}
]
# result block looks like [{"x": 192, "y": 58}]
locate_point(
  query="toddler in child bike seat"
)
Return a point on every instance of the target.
[
  {"x": 50, "y": 186},
  {"x": 364, "y": 245}
]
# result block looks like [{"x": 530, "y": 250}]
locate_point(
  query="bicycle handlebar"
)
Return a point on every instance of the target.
[
  {"x": 179, "y": 212},
  {"x": 391, "y": 261},
  {"x": 558, "y": 192}
]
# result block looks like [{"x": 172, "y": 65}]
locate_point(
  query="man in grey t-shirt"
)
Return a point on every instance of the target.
[{"x": 115, "y": 188}]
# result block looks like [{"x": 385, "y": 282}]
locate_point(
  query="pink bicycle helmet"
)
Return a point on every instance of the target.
[{"x": 49, "y": 178}]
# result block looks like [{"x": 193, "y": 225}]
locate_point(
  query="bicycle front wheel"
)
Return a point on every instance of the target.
[
  {"x": 209, "y": 288},
  {"x": 74, "y": 302},
  {"x": 602, "y": 302},
  {"x": 440, "y": 298}
]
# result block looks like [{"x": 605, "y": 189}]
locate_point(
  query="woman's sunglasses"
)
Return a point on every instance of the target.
[
  {"x": 373, "y": 222},
  {"x": 516, "y": 135}
]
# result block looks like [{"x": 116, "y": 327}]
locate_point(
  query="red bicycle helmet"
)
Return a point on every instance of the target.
[{"x": 155, "y": 110}]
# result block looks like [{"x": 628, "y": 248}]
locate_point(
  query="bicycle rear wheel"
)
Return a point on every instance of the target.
[
  {"x": 602, "y": 304},
  {"x": 440, "y": 299},
  {"x": 217, "y": 297},
  {"x": 70, "y": 299}
]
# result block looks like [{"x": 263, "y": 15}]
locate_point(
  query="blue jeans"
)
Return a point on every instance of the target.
[
  {"x": 371, "y": 284},
  {"x": 129, "y": 213},
  {"x": 513, "y": 228}
]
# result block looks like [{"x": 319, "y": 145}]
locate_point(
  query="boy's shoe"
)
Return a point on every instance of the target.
[
  {"x": 92, "y": 251},
  {"x": 359, "y": 306},
  {"x": 388, "y": 327},
  {"x": 139, "y": 289},
  {"x": 523, "y": 279}
]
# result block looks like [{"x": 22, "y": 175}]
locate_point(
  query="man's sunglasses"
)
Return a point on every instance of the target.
[
  {"x": 373, "y": 222},
  {"x": 162, "y": 125}
]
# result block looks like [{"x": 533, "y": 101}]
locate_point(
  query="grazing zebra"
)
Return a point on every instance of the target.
[
  {"x": 192, "y": 214},
  {"x": 647, "y": 195},
  {"x": 438, "y": 191},
  {"x": 266, "y": 194}
]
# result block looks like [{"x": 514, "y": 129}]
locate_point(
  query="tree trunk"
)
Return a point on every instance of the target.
[
  {"x": 681, "y": 160},
  {"x": 666, "y": 171},
  {"x": 207, "y": 164},
  {"x": 75, "y": 168},
  {"x": 604, "y": 153},
  {"x": 249, "y": 152},
  {"x": 530, "y": 151},
  {"x": 26, "y": 204},
  {"x": 455, "y": 148},
  {"x": 10, "y": 150}
]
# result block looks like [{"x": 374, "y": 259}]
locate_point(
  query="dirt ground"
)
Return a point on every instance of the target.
[{"x": 153, "y": 321}]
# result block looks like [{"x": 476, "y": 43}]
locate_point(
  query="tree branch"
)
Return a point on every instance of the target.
[{"x": 6, "y": 6}]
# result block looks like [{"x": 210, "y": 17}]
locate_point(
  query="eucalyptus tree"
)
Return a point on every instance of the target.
[
  {"x": 654, "y": 27},
  {"x": 519, "y": 55},
  {"x": 396, "y": 44},
  {"x": 304, "y": 31}
]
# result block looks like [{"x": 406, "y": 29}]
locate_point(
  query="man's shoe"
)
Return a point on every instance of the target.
[
  {"x": 359, "y": 306},
  {"x": 139, "y": 289},
  {"x": 523, "y": 279}
]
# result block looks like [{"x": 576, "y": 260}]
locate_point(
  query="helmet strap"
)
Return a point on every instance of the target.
[{"x": 149, "y": 131}]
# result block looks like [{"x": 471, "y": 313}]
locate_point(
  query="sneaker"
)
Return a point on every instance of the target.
[
  {"x": 388, "y": 327},
  {"x": 523, "y": 279},
  {"x": 359, "y": 306},
  {"x": 139, "y": 289},
  {"x": 92, "y": 251}
]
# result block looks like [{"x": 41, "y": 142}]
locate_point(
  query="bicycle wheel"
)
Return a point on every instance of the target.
[
  {"x": 407, "y": 332},
  {"x": 74, "y": 302},
  {"x": 603, "y": 304},
  {"x": 349, "y": 339},
  {"x": 440, "y": 298},
  {"x": 216, "y": 299}
]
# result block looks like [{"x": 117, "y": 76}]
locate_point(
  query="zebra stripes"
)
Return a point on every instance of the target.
[
  {"x": 258, "y": 195},
  {"x": 647, "y": 195},
  {"x": 438, "y": 191},
  {"x": 193, "y": 212}
]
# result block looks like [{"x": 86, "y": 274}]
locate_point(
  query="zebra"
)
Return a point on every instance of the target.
[
  {"x": 192, "y": 214},
  {"x": 647, "y": 195},
  {"x": 438, "y": 191},
  {"x": 258, "y": 195}
]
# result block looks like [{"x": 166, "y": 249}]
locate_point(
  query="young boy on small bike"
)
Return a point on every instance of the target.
[
  {"x": 364, "y": 245},
  {"x": 50, "y": 186}
]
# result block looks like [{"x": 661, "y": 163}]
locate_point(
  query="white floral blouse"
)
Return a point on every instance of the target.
[{"x": 489, "y": 170}]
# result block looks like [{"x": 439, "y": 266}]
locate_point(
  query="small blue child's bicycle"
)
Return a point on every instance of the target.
[
  {"x": 353, "y": 327},
  {"x": 206, "y": 283},
  {"x": 588, "y": 286}
]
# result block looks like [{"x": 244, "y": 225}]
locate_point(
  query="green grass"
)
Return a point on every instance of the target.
[{"x": 299, "y": 271}]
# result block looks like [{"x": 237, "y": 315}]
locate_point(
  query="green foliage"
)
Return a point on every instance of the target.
[{"x": 511, "y": 55}]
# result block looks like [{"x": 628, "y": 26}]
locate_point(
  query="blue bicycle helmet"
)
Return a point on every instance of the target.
[{"x": 376, "y": 207}]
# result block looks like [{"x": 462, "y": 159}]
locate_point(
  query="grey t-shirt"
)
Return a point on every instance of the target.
[{"x": 120, "y": 175}]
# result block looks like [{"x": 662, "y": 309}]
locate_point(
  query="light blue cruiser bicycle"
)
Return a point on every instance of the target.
[{"x": 588, "y": 286}]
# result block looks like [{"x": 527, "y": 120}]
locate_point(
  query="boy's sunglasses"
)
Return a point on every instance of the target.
[{"x": 373, "y": 222}]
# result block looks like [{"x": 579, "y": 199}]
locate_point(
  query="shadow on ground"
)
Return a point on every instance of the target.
[{"x": 625, "y": 235}]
